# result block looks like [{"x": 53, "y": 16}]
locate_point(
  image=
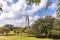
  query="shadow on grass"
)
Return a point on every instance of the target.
[
  {"x": 9, "y": 35},
  {"x": 56, "y": 39},
  {"x": 49, "y": 37}
]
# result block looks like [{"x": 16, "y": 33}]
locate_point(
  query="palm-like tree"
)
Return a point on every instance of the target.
[
  {"x": 58, "y": 10},
  {"x": 37, "y": 2},
  {"x": 47, "y": 4},
  {"x": 58, "y": 2},
  {"x": 34, "y": 1}
]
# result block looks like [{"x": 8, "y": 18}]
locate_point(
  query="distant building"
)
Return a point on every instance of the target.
[{"x": 27, "y": 21}]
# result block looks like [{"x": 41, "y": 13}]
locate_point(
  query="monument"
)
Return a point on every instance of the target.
[{"x": 27, "y": 21}]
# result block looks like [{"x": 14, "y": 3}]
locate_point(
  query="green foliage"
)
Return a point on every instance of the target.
[
  {"x": 43, "y": 27},
  {"x": 2, "y": 31},
  {"x": 9, "y": 26},
  {"x": 56, "y": 29},
  {"x": 22, "y": 38},
  {"x": 58, "y": 12},
  {"x": 47, "y": 27},
  {"x": 6, "y": 30},
  {"x": 37, "y": 2},
  {"x": 59, "y": 3},
  {"x": 34, "y": 1},
  {"x": 30, "y": 2},
  {"x": 18, "y": 31}
]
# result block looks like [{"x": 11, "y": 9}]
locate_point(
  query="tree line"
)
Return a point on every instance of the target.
[{"x": 43, "y": 27}]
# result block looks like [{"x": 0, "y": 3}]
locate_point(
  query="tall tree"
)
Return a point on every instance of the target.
[
  {"x": 34, "y": 1},
  {"x": 58, "y": 10},
  {"x": 9, "y": 26},
  {"x": 42, "y": 26}
]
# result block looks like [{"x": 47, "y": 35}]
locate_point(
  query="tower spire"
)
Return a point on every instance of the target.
[{"x": 27, "y": 20}]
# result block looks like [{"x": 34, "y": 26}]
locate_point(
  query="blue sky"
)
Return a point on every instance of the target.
[
  {"x": 14, "y": 11},
  {"x": 50, "y": 11}
]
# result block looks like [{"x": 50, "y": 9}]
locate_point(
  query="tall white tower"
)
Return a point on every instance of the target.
[{"x": 27, "y": 21}]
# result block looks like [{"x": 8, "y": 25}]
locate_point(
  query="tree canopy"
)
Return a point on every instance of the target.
[{"x": 45, "y": 27}]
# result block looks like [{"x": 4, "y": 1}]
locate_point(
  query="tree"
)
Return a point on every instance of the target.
[
  {"x": 56, "y": 29},
  {"x": 34, "y": 1},
  {"x": 42, "y": 26},
  {"x": 37, "y": 2},
  {"x": 58, "y": 2},
  {"x": 2, "y": 31},
  {"x": 6, "y": 30},
  {"x": 58, "y": 10},
  {"x": 9, "y": 26},
  {"x": 18, "y": 31}
]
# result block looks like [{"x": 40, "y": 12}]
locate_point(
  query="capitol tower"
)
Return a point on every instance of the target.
[{"x": 27, "y": 21}]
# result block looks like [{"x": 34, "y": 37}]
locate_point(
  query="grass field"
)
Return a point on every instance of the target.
[{"x": 22, "y": 38}]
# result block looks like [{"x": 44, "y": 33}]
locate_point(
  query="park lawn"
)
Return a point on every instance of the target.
[{"x": 21, "y": 38}]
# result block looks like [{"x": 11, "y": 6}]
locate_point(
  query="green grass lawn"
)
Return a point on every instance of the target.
[{"x": 21, "y": 38}]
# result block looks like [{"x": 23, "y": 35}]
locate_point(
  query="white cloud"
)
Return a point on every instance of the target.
[
  {"x": 20, "y": 22},
  {"x": 37, "y": 7},
  {"x": 10, "y": 13},
  {"x": 54, "y": 15},
  {"x": 9, "y": 0},
  {"x": 53, "y": 6},
  {"x": 33, "y": 19}
]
